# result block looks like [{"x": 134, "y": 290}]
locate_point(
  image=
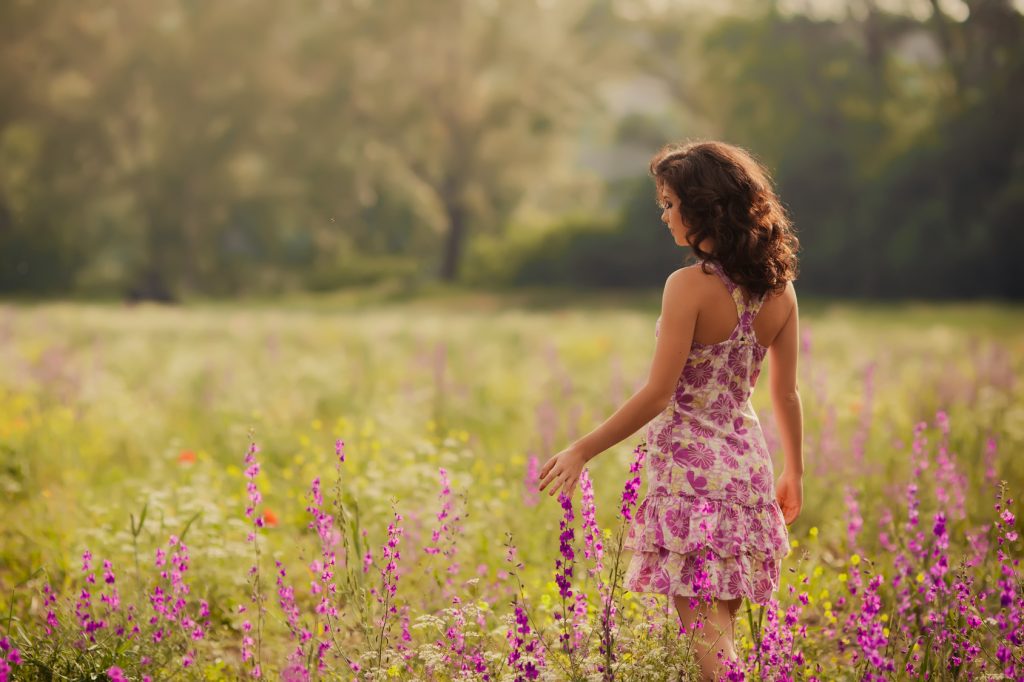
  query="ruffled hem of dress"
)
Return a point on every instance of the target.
[
  {"x": 731, "y": 529},
  {"x": 669, "y": 573}
]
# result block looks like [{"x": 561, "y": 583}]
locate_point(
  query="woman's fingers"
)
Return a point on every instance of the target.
[{"x": 548, "y": 478}]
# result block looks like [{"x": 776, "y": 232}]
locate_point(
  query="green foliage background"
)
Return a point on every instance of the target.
[{"x": 177, "y": 149}]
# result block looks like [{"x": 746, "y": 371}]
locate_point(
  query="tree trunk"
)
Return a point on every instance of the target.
[
  {"x": 454, "y": 240},
  {"x": 152, "y": 283}
]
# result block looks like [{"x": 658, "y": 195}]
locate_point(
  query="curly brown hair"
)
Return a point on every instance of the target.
[{"x": 726, "y": 195}]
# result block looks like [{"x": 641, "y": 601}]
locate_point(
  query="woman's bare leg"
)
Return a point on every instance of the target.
[{"x": 715, "y": 635}]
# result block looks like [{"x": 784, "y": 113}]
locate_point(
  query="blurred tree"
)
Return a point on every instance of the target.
[
  {"x": 471, "y": 98},
  {"x": 200, "y": 146},
  {"x": 40, "y": 247}
]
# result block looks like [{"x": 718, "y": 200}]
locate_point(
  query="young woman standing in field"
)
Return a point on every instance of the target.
[{"x": 710, "y": 473}]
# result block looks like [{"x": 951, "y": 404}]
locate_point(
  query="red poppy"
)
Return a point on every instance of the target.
[
  {"x": 186, "y": 457},
  {"x": 269, "y": 517}
]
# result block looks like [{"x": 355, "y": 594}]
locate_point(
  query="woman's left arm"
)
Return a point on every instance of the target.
[{"x": 678, "y": 319}]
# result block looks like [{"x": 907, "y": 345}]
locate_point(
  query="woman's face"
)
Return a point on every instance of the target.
[{"x": 671, "y": 216}]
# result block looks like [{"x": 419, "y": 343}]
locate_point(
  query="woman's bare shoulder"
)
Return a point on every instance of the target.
[
  {"x": 692, "y": 275},
  {"x": 789, "y": 293},
  {"x": 782, "y": 301}
]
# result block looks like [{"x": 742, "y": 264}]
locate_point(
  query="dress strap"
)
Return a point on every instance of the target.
[
  {"x": 729, "y": 284},
  {"x": 746, "y": 310}
]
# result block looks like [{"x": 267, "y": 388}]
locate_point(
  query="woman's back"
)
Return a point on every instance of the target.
[{"x": 718, "y": 315}]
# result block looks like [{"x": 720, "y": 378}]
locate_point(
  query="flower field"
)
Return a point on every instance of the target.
[{"x": 304, "y": 493}]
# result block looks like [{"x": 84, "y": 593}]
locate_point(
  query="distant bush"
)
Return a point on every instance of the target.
[
  {"x": 631, "y": 249},
  {"x": 361, "y": 270}
]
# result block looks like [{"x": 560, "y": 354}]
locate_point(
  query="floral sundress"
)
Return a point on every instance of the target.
[{"x": 710, "y": 478}]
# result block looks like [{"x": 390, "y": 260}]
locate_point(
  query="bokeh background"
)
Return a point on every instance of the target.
[
  {"x": 175, "y": 148},
  {"x": 425, "y": 228}
]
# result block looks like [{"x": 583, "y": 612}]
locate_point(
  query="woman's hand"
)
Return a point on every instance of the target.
[
  {"x": 563, "y": 470},
  {"x": 789, "y": 492}
]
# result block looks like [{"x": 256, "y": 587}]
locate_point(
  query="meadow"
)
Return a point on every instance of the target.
[{"x": 329, "y": 489}]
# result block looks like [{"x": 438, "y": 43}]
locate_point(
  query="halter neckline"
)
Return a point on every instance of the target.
[{"x": 746, "y": 310}]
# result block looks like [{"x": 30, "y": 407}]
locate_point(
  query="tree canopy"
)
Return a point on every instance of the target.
[{"x": 174, "y": 147}]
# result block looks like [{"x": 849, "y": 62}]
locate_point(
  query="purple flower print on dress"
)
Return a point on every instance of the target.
[
  {"x": 659, "y": 534},
  {"x": 661, "y": 582},
  {"x": 700, "y": 430},
  {"x": 698, "y": 375},
  {"x": 729, "y": 459},
  {"x": 746, "y": 319},
  {"x": 736, "y": 444},
  {"x": 736, "y": 583},
  {"x": 725, "y": 537},
  {"x": 643, "y": 576},
  {"x": 664, "y": 439},
  {"x": 693, "y": 454},
  {"x": 684, "y": 400},
  {"x": 698, "y": 483},
  {"x": 756, "y": 372},
  {"x": 689, "y": 569},
  {"x": 678, "y": 522},
  {"x": 737, "y": 490},
  {"x": 737, "y": 392},
  {"x": 723, "y": 376},
  {"x": 721, "y": 409},
  {"x": 658, "y": 462},
  {"x": 739, "y": 426},
  {"x": 763, "y": 589},
  {"x": 737, "y": 362},
  {"x": 761, "y": 481}
]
